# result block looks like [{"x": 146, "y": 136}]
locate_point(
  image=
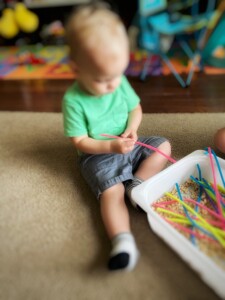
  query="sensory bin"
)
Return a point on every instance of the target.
[{"x": 185, "y": 206}]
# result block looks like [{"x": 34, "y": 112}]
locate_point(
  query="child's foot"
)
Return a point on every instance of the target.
[
  {"x": 124, "y": 254},
  {"x": 129, "y": 185}
]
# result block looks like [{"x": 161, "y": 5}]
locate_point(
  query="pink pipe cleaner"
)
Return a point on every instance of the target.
[{"x": 144, "y": 145}]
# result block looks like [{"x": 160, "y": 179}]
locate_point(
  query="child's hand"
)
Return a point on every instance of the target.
[
  {"x": 129, "y": 133},
  {"x": 122, "y": 145}
]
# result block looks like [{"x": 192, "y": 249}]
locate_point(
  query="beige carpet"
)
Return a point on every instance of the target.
[{"x": 53, "y": 245}]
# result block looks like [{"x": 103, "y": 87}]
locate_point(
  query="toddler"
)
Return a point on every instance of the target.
[{"x": 102, "y": 101}]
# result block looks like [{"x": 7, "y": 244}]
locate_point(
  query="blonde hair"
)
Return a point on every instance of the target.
[{"x": 93, "y": 26}]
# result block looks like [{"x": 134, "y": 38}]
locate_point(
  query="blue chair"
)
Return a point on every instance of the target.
[
  {"x": 158, "y": 26},
  {"x": 214, "y": 40}
]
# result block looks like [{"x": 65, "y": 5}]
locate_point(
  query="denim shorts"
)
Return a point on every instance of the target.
[{"x": 102, "y": 171}]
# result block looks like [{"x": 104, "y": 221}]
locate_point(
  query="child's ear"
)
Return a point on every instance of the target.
[{"x": 74, "y": 67}]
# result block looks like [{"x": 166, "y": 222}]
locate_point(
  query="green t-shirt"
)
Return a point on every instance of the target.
[{"x": 85, "y": 114}]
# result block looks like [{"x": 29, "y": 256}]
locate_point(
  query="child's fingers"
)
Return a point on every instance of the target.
[
  {"x": 129, "y": 134},
  {"x": 128, "y": 141}
]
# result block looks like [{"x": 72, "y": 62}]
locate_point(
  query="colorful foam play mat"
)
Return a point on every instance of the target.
[{"x": 51, "y": 62}]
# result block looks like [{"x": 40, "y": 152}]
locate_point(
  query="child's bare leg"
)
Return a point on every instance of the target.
[
  {"x": 124, "y": 254},
  {"x": 114, "y": 211},
  {"x": 148, "y": 168},
  {"x": 154, "y": 163}
]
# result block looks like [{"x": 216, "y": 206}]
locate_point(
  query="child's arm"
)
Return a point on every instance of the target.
[
  {"x": 91, "y": 146},
  {"x": 134, "y": 120},
  {"x": 124, "y": 145}
]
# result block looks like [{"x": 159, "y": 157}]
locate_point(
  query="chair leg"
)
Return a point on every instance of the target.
[
  {"x": 172, "y": 69},
  {"x": 196, "y": 59},
  {"x": 144, "y": 71},
  {"x": 192, "y": 69},
  {"x": 186, "y": 48}
]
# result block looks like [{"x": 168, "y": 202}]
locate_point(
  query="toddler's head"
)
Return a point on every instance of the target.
[{"x": 99, "y": 48}]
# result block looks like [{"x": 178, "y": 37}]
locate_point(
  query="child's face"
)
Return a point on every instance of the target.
[{"x": 103, "y": 74}]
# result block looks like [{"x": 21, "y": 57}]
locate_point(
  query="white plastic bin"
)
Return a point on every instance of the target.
[{"x": 152, "y": 189}]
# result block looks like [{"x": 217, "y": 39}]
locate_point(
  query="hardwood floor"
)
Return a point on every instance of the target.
[{"x": 158, "y": 94}]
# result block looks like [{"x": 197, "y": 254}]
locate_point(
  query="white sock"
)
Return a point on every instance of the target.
[{"x": 124, "y": 254}]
